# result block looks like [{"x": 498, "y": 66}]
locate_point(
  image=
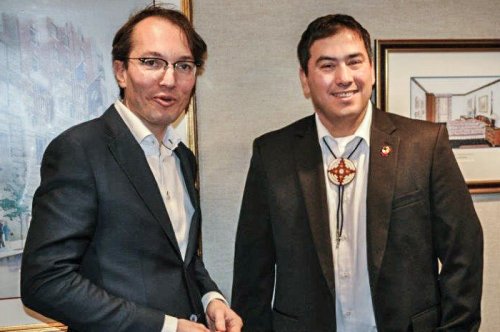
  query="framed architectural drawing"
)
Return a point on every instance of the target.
[
  {"x": 456, "y": 82},
  {"x": 55, "y": 72}
]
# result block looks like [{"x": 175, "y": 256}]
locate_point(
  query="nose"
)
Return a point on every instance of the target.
[
  {"x": 343, "y": 75},
  {"x": 168, "y": 76}
]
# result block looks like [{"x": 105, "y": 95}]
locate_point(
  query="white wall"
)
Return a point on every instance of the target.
[{"x": 251, "y": 86}]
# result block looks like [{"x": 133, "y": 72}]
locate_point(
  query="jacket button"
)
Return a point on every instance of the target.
[{"x": 193, "y": 318}]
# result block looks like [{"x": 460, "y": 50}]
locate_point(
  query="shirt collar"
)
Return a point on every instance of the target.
[
  {"x": 141, "y": 133},
  {"x": 363, "y": 130}
]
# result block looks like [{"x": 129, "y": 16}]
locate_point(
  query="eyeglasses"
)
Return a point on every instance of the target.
[{"x": 158, "y": 66}]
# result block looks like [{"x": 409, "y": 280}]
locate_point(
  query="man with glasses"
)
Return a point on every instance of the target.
[{"x": 114, "y": 240}]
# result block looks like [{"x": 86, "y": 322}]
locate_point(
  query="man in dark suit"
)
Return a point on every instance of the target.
[
  {"x": 113, "y": 243},
  {"x": 347, "y": 214}
]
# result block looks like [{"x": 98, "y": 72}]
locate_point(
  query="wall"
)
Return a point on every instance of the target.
[{"x": 251, "y": 86}]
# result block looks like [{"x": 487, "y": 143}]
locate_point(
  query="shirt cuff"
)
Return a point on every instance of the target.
[
  {"x": 208, "y": 297},
  {"x": 169, "y": 324}
]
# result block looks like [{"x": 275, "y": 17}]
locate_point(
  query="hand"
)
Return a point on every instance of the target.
[
  {"x": 184, "y": 325},
  {"x": 221, "y": 318}
]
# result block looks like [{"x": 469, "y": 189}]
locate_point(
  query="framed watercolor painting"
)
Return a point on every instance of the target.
[
  {"x": 55, "y": 72},
  {"x": 456, "y": 82}
]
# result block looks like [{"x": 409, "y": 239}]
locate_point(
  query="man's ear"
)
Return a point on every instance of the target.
[
  {"x": 373, "y": 75},
  {"x": 304, "y": 83},
  {"x": 120, "y": 73}
]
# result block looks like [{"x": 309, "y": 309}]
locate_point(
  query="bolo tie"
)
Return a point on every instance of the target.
[{"x": 341, "y": 172}]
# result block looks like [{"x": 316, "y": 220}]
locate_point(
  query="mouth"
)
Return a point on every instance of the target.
[
  {"x": 165, "y": 101},
  {"x": 344, "y": 94}
]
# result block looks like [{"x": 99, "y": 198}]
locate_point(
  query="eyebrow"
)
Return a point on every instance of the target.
[
  {"x": 330, "y": 58},
  {"x": 159, "y": 55}
]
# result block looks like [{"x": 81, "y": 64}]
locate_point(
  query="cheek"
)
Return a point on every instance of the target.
[
  {"x": 141, "y": 83},
  {"x": 187, "y": 88},
  {"x": 320, "y": 84},
  {"x": 366, "y": 78}
]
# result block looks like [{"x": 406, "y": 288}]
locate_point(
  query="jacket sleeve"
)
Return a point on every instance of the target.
[
  {"x": 65, "y": 208},
  {"x": 254, "y": 261},
  {"x": 458, "y": 241}
]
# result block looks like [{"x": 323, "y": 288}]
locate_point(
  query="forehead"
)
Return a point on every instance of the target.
[
  {"x": 343, "y": 43},
  {"x": 158, "y": 34}
]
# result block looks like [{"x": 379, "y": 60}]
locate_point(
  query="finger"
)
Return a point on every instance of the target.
[
  {"x": 184, "y": 325},
  {"x": 234, "y": 324},
  {"x": 210, "y": 323},
  {"x": 220, "y": 321},
  {"x": 199, "y": 328}
]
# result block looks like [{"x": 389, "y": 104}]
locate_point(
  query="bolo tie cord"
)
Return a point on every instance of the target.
[{"x": 340, "y": 204}]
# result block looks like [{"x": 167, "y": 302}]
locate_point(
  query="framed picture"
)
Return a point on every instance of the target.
[
  {"x": 482, "y": 107},
  {"x": 55, "y": 72},
  {"x": 456, "y": 82}
]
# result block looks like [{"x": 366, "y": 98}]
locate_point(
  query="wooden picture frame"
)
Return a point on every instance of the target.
[{"x": 455, "y": 81}]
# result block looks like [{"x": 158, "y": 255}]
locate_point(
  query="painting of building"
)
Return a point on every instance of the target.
[{"x": 55, "y": 72}]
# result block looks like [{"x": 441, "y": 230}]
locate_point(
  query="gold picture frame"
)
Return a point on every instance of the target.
[{"x": 48, "y": 327}]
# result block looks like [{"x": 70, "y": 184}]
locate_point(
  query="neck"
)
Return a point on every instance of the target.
[
  {"x": 159, "y": 133},
  {"x": 342, "y": 126}
]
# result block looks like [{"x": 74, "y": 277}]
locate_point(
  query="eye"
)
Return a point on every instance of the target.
[
  {"x": 355, "y": 62},
  {"x": 184, "y": 66},
  {"x": 327, "y": 66},
  {"x": 152, "y": 63}
]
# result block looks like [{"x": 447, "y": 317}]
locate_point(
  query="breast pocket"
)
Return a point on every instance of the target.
[
  {"x": 411, "y": 212},
  {"x": 407, "y": 199}
]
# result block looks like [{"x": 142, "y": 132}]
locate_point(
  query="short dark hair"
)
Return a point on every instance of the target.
[
  {"x": 122, "y": 42},
  {"x": 327, "y": 26}
]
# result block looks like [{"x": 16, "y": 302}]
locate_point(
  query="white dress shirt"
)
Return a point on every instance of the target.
[
  {"x": 166, "y": 169},
  {"x": 353, "y": 302}
]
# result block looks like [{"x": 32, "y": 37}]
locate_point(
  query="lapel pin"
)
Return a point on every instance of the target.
[{"x": 385, "y": 151}]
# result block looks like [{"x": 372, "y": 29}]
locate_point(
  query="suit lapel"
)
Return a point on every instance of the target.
[
  {"x": 381, "y": 182},
  {"x": 129, "y": 155},
  {"x": 309, "y": 165},
  {"x": 188, "y": 172}
]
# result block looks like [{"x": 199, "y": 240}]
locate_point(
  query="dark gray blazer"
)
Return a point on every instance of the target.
[
  {"x": 101, "y": 253},
  {"x": 418, "y": 211}
]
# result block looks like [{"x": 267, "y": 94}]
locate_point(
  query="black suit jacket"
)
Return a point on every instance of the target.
[
  {"x": 101, "y": 253},
  {"x": 418, "y": 211}
]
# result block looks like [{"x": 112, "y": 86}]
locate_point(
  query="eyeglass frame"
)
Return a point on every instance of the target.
[{"x": 175, "y": 65}]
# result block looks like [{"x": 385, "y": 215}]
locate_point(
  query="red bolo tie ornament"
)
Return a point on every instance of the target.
[
  {"x": 385, "y": 151},
  {"x": 341, "y": 171}
]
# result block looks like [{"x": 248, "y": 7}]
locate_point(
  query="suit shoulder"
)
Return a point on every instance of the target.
[
  {"x": 413, "y": 129},
  {"x": 285, "y": 133},
  {"x": 91, "y": 137},
  {"x": 84, "y": 128},
  {"x": 403, "y": 121},
  {"x": 93, "y": 130},
  {"x": 82, "y": 133}
]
